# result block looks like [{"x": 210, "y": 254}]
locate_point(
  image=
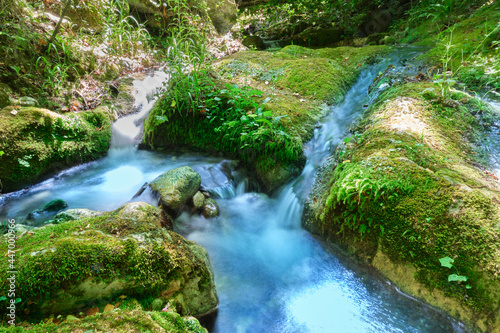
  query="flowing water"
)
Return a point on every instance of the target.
[
  {"x": 271, "y": 275},
  {"x": 493, "y": 141}
]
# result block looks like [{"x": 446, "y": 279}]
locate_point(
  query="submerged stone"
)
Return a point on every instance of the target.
[
  {"x": 53, "y": 207},
  {"x": 210, "y": 208}
]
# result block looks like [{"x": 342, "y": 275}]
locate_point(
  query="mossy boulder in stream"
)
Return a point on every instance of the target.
[
  {"x": 257, "y": 106},
  {"x": 68, "y": 267},
  {"x": 37, "y": 141},
  {"x": 176, "y": 187},
  {"x": 406, "y": 193}
]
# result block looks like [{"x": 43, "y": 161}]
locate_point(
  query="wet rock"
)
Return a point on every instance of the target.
[
  {"x": 74, "y": 214},
  {"x": 175, "y": 188},
  {"x": 121, "y": 252},
  {"x": 210, "y": 208},
  {"x": 254, "y": 42},
  {"x": 198, "y": 200},
  {"x": 53, "y": 207},
  {"x": 28, "y": 101}
]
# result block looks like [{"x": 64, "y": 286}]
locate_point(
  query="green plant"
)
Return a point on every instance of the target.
[{"x": 448, "y": 262}]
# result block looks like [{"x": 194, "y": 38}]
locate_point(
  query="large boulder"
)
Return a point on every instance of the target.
[
  {"x": 176, "y": 188},
  {"x": 70, "y": 266},
  {"x": 37, "y": 141}
]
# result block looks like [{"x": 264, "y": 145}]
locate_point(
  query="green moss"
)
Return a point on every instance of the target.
[
  {"x": 38, "y": 141},
  {"x": 60, "y": 266},
  {"x": 120, "y": 321},
  {"x": 468, "y": 47}
]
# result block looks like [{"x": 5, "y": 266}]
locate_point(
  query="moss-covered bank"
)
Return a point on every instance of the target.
[
  {"x": 120, "y": 320},
  {"x": 465, "y": 43},
  {"x": 257, "y": 106},
  {"x": 71, "y": 266},
  {"x": 406, "y": 192},
  {"x": 37, "y": 141}
]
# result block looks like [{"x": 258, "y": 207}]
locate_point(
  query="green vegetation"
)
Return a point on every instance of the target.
[
  {"x": 121, "y": 320},
  {"x": 405, "y": 186},
  {"x": 37, "y": 141},
  {"x": 257, "y": 106}
]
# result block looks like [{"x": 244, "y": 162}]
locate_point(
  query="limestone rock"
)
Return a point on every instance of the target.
[
  {"x": 210, "y": 208},
  {"x": 122, "y": 252},
  {"x": 123, "y": 320},
  {"x": 198, "y": 200},
  {"x": 176, "y": 187}
]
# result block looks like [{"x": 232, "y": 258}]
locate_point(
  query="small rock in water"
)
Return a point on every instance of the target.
[
  {"x": 175, "y": 188},
  {"x": 198, "y": 200},
  {"x": 210, "y": 208}
]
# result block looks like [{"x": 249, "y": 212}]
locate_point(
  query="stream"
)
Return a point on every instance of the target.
[{"x": 271, "y": 275}]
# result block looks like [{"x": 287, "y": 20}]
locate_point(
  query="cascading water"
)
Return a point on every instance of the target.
[
  {"x": 271, "y": 275},
  {"x": 493, "y": 140}
]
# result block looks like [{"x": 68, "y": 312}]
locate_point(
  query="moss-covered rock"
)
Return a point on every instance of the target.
[
  {"x": 259, "y": 106},
  {"x": 37, "y": 141},
  {"x": 407, "y": 193},
  {"x": 71, "y": 266},
  {"x": 53, "y": 207},
  {"x": 121, "y": 320},
  {"x": 210, "y": 208},
  {"x": 176, "y": 188}
]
